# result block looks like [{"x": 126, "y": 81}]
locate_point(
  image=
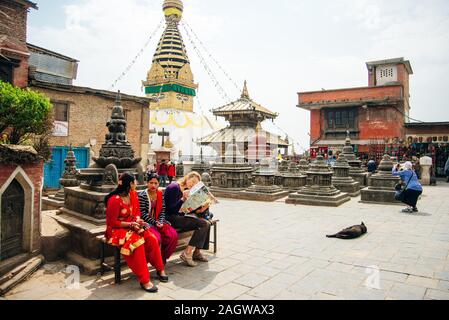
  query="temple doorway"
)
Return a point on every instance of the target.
[{"x": 12, "y": 218}]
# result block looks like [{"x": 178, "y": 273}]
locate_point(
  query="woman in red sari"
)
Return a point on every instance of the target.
[{"x": 125, "y": 229}]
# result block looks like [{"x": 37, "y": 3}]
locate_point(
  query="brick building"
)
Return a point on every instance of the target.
[
  {"x": 375, "y": 115},
  {"x": 14, "y": 53},
  {"x": 81, "y": 113}
]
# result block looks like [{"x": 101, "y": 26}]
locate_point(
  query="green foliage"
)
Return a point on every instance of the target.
[{"x": 27, "y": 116}]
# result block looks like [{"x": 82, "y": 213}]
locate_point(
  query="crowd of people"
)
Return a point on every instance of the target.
[
  {"x": 143, "y": 224},
  {"x": 166, "y": 171}
]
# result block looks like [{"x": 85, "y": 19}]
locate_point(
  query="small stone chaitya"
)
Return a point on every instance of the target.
[
  {"x": 264, "y": 188},
  {"x": 341, "y": 178},
  {"x": 381, "y": 185},
  {"x": 231, "y": 175},
  {"x": 293, "y": 180},
  {"x": 319, "y": 190},
  {"x": 356, "y": 171}
]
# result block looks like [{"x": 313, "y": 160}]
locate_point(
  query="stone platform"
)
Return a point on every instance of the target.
[
  {"x": 317, "y": 200},
  {"x": 248, "y": 195}
]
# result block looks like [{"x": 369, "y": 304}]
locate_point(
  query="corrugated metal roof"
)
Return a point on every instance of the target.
[
  {"x": 243, "y": 105},
  {"x": 241, "y": 135}
]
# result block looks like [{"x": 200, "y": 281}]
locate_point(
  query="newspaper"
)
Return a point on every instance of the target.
[{"x": 199, "y": 196}]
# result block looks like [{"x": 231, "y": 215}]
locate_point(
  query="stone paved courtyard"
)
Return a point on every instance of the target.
[{"x": 279, "y": 251}]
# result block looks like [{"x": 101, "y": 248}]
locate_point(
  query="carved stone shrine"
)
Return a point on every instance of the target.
[
  {"x": 381, "y": 184},
  {"x": 341, "y": 178},
  {"x": 319, "y": 190}
]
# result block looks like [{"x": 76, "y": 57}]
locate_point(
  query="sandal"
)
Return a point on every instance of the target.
[
  {"x": 200, "y": 257},
  {"x": 188, "y": 260}
]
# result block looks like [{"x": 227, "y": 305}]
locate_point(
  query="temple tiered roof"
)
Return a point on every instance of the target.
[{"x": 244, "y": 105}]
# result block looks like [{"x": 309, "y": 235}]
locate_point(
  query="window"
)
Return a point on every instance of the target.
[
  {"x": 337, "y": 118},
  {"x": 341, "y": 119},
  {"x": 6, "y": 72},
  {"x": 61, "y": 124},
  {"x": 330, "y": 119},
  {"x": 61, "y": 111}
]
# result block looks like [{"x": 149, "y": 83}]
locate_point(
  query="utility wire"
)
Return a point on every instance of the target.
[
  {"x": 208, "y": 70},
  {"x": 134, "y": 60},
  {"x": 210, "y": 56}
]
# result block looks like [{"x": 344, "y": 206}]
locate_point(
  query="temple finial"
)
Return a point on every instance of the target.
[
  {"x": 118, "y": 99},
  {"x": 348, "y": 138},
  {"x": 245, "y": 93}
]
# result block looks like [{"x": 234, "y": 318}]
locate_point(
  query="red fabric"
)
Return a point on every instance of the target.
[
  {"x": 162, "y": 170},
  {"x": 168, "y": 238},
  {"x": 117, "y": 211},
  {"x": 153, "y": 251},
  {"x": 137, "y": 249},
  {"x": 133, "y": 246},
  {"x": 158, "y": 205},
  {"x": 171, "y": 170},
  {"x": 137, "y": 262}
]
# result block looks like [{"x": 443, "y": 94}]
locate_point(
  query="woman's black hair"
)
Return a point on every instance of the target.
[
  {"x": 123, "y": 188},
  {"x": 153, "y": 175}
]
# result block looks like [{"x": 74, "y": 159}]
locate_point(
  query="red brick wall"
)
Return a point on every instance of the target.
[
  {"x": 13, "y": 25},
  {"x": 21, "y": 74},
  {"x": 13, "y": 21},
  {"x": 353, "y": 94},
  {"x": 379, "y": 122},
  {"x": 374, "y": 123},
  {"x": 88, "y": 115},
  {"x": 315, "y": 127},
  {"x": 35, "y": 172}
]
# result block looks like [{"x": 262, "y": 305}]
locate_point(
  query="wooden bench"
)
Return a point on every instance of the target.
[{"x": 183, "y": 240}]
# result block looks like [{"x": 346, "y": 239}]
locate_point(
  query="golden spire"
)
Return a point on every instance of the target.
[
  {"x": 245, "y": 94},
  {"x": 170, "y": 78},
  {"x": 173, "y": 10}
]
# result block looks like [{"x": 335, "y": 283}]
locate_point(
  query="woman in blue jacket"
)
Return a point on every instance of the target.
[{"x": 413, "y": 189}]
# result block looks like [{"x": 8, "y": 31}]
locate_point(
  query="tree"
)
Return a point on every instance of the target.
[{"x": 27, "y": 115}]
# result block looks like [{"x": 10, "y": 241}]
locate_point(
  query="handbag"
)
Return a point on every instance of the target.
[{"x": 400, "y": 192}]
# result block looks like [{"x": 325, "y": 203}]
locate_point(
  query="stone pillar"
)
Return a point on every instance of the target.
[{"x": 425, "y": 163}]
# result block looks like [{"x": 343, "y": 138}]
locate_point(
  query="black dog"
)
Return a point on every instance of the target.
[{"x": 351, "y": 232}]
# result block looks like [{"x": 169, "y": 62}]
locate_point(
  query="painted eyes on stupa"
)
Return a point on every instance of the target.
[{"x": 183, "y": 98}]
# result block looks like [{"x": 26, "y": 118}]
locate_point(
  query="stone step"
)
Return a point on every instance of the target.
[
  {"x": 55, "y": 237},
  {"x": 19, "y": 274}
]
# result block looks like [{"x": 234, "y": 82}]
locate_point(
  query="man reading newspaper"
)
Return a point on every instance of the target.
[{"x": 199, "y": 196}]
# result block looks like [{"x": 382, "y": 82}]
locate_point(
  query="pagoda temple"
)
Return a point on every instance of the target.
[
  {"x": 173, "y": 122},
  {"x": 245, "y": 117}
]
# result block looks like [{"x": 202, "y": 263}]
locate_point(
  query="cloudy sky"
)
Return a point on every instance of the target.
[{"x": 280, "y": 47}]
